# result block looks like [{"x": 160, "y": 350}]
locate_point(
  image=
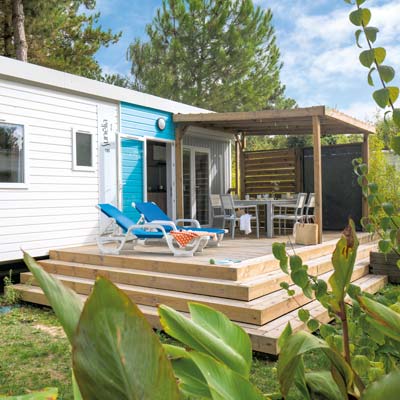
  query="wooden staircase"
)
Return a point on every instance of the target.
[{"x": 248, "y": 292}]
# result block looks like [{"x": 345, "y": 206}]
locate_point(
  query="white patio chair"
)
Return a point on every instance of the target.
[
  {"x": 310, "y": 205},
  {"x": 216, "y": 208},
  {"x": 230, "y": 213},
  {"x": 296, "y": 212}
]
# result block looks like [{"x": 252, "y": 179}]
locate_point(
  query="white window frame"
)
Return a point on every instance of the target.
[
  {"x": 25, "y": 184},
  {"x": 76, "y": 167}
]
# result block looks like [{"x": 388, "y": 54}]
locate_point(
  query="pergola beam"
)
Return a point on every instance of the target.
[{"x": 250, "y": 115}]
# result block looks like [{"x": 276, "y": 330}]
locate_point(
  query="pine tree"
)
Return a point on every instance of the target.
[
  {"x": 217, "y": 54},
  {"x": 59, "y": 35}
]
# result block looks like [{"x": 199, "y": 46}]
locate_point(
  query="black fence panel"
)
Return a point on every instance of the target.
[{"x": 341, "y": 195}]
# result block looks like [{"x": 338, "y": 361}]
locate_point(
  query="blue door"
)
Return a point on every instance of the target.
[{"x": 132, "y": 174}]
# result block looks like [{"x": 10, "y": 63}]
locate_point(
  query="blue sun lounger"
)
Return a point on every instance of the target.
[
  {"x": 151, "y": 213},
  {"x": 122, "y": 229}
]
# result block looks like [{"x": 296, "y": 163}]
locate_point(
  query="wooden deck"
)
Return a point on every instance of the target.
[{"x": 247, "y": 291}]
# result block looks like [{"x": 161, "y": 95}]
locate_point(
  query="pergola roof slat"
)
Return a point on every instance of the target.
[{"x": 297, "y": 121}]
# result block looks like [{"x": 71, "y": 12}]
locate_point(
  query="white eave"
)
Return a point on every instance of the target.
[{"x": 19, "y": 71}]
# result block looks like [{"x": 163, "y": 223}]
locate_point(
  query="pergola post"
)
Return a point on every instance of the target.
[
  {"x": 242, "y": 166},
  {"x": 237, "y": 170},
  {"x": 365, "y": 157},
  {"x": 317, "y": 174},
  {"x": 179, "y": 133}
]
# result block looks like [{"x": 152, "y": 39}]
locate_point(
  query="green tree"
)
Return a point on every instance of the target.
[
  {"x": 217, "y": 54},
  {"x": 59, "y": 34}
]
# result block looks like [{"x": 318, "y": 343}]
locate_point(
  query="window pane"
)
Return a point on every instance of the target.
[
  {"x": 83, "y": 149},
  {"x": 12, "y": 153}
]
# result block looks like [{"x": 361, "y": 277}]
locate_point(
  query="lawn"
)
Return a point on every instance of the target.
[{"x": 35, "y": 354}]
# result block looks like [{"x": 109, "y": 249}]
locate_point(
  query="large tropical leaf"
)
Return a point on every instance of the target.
[
  {"x": 387, "y": 388},
  {"x": 116, "y": 354},
  {"x": 45, "y": 394},
  {"x": 66, "y": 304},
  {"x": 203, "y": 377},
  {"x": 343, "y": 260},
  {"x": 323, "y": 386},
  {"x": 210, "y": 332},
  {"x": 290, "y": 360},
  {"x": 191, "y": 380},
  {"x": 223, "y": 382},
  {"x": 382, "y": 317}
]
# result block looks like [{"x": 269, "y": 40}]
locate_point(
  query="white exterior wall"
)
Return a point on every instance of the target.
[{"x": 57, "y": 209}]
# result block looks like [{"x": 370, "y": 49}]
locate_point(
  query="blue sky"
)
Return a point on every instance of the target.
[{"x": 315, "y": 38}]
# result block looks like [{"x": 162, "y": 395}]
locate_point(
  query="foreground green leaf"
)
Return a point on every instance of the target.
[
  {"x": 343, "y": 260},
  {"x": 396, "y": 116},
  {"x": 381, "y": 97},
  {"x": 395, "y": 144},
  {"x": 116, "y": 354},
  {"x": 223, "y": 382},
  {"x": 45, "y": 394},
  {"x": 191, "y": 380},
  {"x": 360, "y": 17},
  {"x": 387, "y": 387},
  {"x": 67, "y": 305},
  {"x": 290, "y": 359},
  {"x": 382, "y": 317},
  {"x": 210, "y": 332},
  {"x": 370, "y": 33},
  {"x": 322, "y": 385}
]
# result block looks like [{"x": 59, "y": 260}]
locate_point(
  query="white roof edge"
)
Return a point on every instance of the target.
[{"x": 26, "y": 72}]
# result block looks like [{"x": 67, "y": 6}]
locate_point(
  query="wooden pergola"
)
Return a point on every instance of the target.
[{"x": 316, "y": 121}]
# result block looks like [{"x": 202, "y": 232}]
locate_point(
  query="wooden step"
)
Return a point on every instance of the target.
[
  {"x": 264, "y": 338},
  {"x": 258, "y": 311},
  {"x": 149, "y": 259},
  {"x": 244, "y": 290}
]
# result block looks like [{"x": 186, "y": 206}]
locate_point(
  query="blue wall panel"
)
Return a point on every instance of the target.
[
  {"x": 132, "y": 175},
  {"x": 142, "y": 121}
]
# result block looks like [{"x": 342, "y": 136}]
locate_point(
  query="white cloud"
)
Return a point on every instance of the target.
[
  {"x": 365, "y": 111},
  {"x": 319, "y": 52}
]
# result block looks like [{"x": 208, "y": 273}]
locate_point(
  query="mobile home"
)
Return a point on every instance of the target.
[{"x": 68, "y": 143}]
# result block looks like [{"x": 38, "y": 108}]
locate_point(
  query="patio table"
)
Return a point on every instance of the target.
[{"x": 269, "y": 210}]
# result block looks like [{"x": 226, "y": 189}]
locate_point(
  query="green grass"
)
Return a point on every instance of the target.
[{"x": 31, "y": 358}]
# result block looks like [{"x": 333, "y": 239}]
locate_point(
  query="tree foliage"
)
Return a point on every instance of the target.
[
  {"x": 59, "y": 35},
  {"x": 216, "y": 54}
]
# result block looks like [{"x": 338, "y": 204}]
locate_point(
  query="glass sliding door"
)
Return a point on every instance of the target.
[
  {"x": 196, "y": 184},
  {"x": 187, "y": 189},
  {"x": 202, "y": 191}
]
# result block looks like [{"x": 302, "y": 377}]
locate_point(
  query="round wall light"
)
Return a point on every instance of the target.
[{"x": 161, "y": 124}]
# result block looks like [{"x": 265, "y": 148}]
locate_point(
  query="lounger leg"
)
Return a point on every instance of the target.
[
  {"x": 107, "y": 250},
  {"x": 179, "y": 252},
  {"x": 233, "y": 228}
]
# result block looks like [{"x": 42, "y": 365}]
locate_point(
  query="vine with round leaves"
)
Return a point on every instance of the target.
[{"x": 384, "y": 219}]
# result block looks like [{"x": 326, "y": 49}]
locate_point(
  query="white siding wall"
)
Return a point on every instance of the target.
[{"x": 58, "y": 207}]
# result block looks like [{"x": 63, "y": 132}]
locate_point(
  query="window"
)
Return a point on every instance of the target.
[
  {"x": 83, "y": 150},
  {"x": 13, "y": 169}
]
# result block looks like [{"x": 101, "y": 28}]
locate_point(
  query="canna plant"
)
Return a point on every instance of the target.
[{"x": 362, "y": 325}]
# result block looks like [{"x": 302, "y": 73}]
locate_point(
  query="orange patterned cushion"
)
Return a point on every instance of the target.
[{"x": 184, "y": 238}]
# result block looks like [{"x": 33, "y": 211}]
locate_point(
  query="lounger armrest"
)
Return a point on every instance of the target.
[
  {"x": 149, "y": 225},
  {"x": 166, "y": 223},
  {"x": 194, "y": 223}
]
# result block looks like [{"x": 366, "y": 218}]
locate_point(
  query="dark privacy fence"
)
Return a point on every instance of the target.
[{"x": 291, "y": 170}]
